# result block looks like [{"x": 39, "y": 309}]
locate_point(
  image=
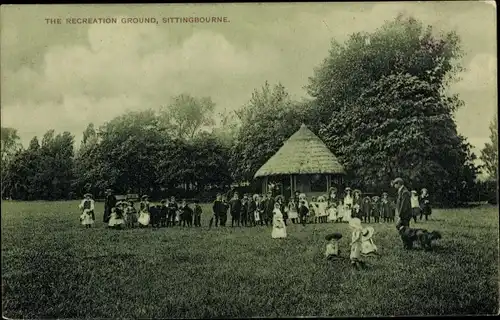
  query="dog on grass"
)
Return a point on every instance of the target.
[{"x": 422, "y": 237}]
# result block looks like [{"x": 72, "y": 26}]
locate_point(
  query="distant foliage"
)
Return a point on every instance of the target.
[{"x": 489, "y": 154}]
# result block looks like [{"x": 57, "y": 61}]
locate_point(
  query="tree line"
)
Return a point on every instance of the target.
[{"x": 378, "y": 100}]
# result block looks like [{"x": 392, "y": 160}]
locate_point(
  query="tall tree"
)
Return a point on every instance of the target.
[
  {"x": 267, "y": 121},
  {"x": 489, "y": 154},
  {"x": 10, "y": 142},
  {"x": 382, "y": 98},
  {"x": 186, "y": 115}
]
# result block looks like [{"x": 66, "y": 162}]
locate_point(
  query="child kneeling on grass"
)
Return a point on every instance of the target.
[{"x": 332, "y": 247}]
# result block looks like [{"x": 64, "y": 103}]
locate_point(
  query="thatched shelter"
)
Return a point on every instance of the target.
[{"x": 303, "y": 163}]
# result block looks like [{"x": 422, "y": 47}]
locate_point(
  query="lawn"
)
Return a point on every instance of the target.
[{"x": 53, "y": 267}]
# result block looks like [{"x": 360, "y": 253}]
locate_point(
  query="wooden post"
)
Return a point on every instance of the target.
[
  {"x": 327, "y": 183},
  {"x": 291, "y": 186}
]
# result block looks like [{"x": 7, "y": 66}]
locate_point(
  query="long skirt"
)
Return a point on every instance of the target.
[
  {"x": 292, "y": 214},
  {"x": 256, "y": 215},
  {"x": 332, "y": 214},
  {"x": 278, "y": 232},
  {"x": 86, "y": 218},
  {"x": 368, "y": 247},
  {"x": 144, "y": 218},
  {"x": 115, "y": 221}
]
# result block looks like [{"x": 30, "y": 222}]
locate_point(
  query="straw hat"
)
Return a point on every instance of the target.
[
  {"x": 279, "y": 197},
  {"x": 144, "y": 197},
  {"x": 367, "y": 233},
  {"x": 355, "y": 223},
  {"x": 357, "y": 191},
  {"x": 87, "y": 195},
  {"x": 347, "y": 189},
  {"x": 333, "y": 236},
  {"x": 414, "y": 192},
  {"x": 320, "y": 199}
]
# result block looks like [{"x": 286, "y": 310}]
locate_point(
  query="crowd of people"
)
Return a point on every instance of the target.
[
  {"x": 254, "y": 210},
  {"x": 266, "y": 210}
]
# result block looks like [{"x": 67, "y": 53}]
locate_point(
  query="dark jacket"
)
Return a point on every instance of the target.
[
  {"x": 197, "y": 211},
  {"x": 218, "y": 208},
  {"x": 366, "y": 207},
  {"x": 235, "y": 207},
  {"x": 403, "y": 204},
  {"x": 109, "y": 203}
]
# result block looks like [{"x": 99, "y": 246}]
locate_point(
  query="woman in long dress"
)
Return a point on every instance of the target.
[
  {"x": 348, "y": 203},
  {"x": 333, "y": 206},
  {"x": 279, "y": 227},
  {"x": 144, "y": 215}
]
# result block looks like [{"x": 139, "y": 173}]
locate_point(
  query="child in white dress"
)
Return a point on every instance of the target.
[
  {"x": 116, "y": 219},
  {"x": 415, "y": 205},
  {"x": 87, "y": 205},
  {"x": 279, "y": 228},
  {"x": 292, "y": 211},
  {"x": 144, "y": 215},
  {"x": 356, "y": 243},
  {"x": 347, "y": 205}
]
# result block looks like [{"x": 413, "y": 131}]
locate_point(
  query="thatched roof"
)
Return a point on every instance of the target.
[{"x": 302, "y": 153}]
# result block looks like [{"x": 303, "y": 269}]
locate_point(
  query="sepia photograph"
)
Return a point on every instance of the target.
[{"x": 249, "y": 160}]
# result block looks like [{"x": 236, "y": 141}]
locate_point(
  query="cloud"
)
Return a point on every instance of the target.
[{"x": 126, "y": 67}]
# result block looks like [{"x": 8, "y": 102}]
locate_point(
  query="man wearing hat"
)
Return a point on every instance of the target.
[
  {"x": 235, "y": 209},
  {"x": 109, "y": 203},
  {"x": 268, "y": 208},
  {"x": 403, "y": 203},
  {"x": 217, "y": 208}
]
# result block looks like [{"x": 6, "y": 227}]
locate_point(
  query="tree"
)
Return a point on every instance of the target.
[
  {"x": 186, "y": 115},
  {"x": 269, "y": 119},
  {"x": 386, "y": 110},
  {"x": 10, "y": 142},
  {"x": 399, "y": 46},
  {"x": 489, "y": 154}
]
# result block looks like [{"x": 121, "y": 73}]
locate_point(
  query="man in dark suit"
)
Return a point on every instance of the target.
[
  {"x": 403, "y": 203},
  {"x": 268, "y": 209}
]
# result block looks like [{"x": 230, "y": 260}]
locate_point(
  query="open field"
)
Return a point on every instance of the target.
[{"x": 53, "y": 267}]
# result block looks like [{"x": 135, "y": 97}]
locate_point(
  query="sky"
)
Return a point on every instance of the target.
[{"x": 64, "y": 76}]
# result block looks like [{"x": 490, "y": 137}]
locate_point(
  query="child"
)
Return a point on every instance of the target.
[
  {"x": 89, "y": 205},
  {"x": 116, "y": 218},
  {"x": 186, "y": 214},
  {"x": 385, "y": 207},
  {"x": 356, "y": 204},
  {"x": 86, "y": 218},
  {"x": 333, "y": 215},
  {"x": 172, "y": 212},
  {"x": 366, "y": 208},
  {"x": 279, "y": 227},
  {"x": 321, "y": 205},
  {"x": 313, "y": 210},
  {"x": 251, "y": 208},
  {"x": 376, "y": 209},
  {"x": 197, "y": 214},
  {"x": 163, "y": 212},
  {"x": 303, "y": 212},
  {"x": 425, "y": 204},
  {"x": 144, "y": 215},
  {"x": 332, "y": 247},
  {"x": 131, "y": 214},
  {"x": 368, "y": 247},
  {"x": 415, "y": 206},
  {"x": 292, "y": 211},
  {"x": 356, "y": 243},
  {"x": 258, "y": 209}
]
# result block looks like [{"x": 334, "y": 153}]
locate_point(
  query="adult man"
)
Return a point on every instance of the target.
[
  {"x": 235, "y": 209},
  {"x": 268, "y": 208},
  {"x": 403, "y": 203},
  {"x": 217, "y": 209},
  {"x": 109, "y": 203}
]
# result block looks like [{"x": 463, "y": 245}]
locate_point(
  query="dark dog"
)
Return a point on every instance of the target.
[{"x": 421, "y": 236}]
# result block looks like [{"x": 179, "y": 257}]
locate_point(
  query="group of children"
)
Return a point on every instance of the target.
[{"x": 124, "y": 214}]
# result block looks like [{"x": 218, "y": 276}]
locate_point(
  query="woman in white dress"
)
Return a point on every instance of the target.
[
  {"x": 279, "y": 228},
  {"x": 333, "y": 205},
  {"x": 144, "y": 215},
  {"x": 116, "y": 219},
  {"x": 348, "y": 203}
]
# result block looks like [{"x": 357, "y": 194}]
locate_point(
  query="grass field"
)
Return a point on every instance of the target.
[{"x": 53, "y": 267}]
